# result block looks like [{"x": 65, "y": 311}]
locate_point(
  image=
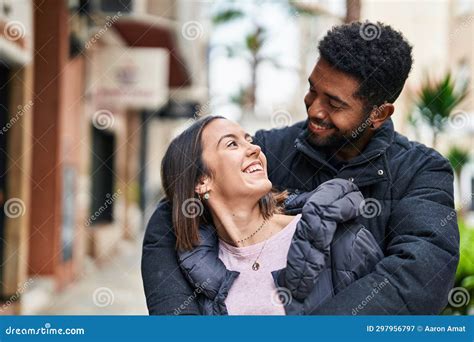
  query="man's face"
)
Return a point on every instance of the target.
[{"x": 335, "y": 116}]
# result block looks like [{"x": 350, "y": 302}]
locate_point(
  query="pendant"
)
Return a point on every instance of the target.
[{"x": 255, "y": 266}]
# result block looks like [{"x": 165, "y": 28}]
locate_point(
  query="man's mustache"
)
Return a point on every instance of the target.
[{"x": 322, "y": 123}]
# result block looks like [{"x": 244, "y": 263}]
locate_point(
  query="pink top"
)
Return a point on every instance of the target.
[{"x": 254, "y": 292}]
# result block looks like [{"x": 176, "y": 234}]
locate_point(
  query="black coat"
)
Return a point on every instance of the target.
[{"x": 408, "y": 189}]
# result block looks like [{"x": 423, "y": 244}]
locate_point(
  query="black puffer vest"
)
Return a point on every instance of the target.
[{"x": 327, "y": 253}]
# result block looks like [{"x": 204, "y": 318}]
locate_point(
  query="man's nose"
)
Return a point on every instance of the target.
[{"x": 315, "y": 110}]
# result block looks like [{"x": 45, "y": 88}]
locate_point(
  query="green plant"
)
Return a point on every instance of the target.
[
  {"x": 226, "y": 16},
  {"x": 458, "y": 158},
  {"x": 465, "y": 271},
  {"x": 436, "y": 101}
]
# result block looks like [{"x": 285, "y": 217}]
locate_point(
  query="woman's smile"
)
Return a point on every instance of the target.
[{"x": 254, "y": 167}]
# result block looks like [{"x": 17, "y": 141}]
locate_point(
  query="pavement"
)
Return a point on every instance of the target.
[{"x": 112, "y": 288}]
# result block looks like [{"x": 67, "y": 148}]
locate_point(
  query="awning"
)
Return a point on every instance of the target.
[{"x": 139, "y": 34}]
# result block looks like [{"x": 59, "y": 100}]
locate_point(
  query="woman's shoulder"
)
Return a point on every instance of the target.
[{"x": 282, "y": 221}]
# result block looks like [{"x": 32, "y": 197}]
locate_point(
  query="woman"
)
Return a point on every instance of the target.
[{"x": 236, "y": 247}]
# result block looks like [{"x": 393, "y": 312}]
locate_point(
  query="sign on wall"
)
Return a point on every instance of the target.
[{"x": 135, "y": 78}]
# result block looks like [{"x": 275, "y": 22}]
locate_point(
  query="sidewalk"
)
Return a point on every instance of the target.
[{"x": 113, "y": 288}]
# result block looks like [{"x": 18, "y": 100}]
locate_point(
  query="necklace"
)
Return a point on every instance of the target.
[
  {"x": 256, "y": 265},
  {"x": 253, "y": 234},
  {"x": 248, "y": 237}
]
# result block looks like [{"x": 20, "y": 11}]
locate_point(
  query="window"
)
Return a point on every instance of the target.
[{"x": 102, "y": 173}]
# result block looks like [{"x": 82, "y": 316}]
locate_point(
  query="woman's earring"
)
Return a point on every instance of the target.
[{"x": 206, "y": 196}]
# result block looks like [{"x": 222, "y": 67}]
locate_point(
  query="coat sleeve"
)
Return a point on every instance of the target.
[
  {"x": 421, "y": 257},
  {"x": 333, "y": 202},
  {"x": 167, "y": 291}
]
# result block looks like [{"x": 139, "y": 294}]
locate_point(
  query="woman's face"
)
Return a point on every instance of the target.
[{"x": 238, "y": 167}]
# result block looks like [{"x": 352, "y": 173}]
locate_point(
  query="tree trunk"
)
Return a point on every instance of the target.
[
  {"x": 435, "y": 139},
  {"x": 352, "y": 10},
  {"x": 253, "y": 84}
]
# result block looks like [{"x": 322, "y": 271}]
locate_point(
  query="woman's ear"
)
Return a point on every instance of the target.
[{"x": 202, "y": 186}]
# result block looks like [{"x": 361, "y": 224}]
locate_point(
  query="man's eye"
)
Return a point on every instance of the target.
[
  {"x": 334, "y": 105},
  {"x": 232, "y": 143}
]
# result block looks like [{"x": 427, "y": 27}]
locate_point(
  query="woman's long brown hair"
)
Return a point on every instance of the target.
[{"x": 181, "y": 169}]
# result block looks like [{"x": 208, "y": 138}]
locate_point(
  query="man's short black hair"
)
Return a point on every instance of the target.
[{"x": 375, "y": 54}]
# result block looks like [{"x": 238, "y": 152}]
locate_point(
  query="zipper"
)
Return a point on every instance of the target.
[
  {"x": 307, "y": 150},
  {"x": 361, "y": 162}
]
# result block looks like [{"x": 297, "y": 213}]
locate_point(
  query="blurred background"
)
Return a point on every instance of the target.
[{"x": 92, "y": 92}]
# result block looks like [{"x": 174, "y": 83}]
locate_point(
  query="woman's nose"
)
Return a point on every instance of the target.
[{"x": 254, "y": 149}]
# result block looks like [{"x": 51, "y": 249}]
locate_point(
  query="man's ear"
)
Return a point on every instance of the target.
[
  {"x": 380, "y": 114},
  {"x": 203, "y": 185}
]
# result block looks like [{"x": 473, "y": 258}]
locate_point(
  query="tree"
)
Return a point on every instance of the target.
[
  {"x": 353, "y": 8},
  {"x": 252, "y": 48},
  {"x": 436, "y": 101}
]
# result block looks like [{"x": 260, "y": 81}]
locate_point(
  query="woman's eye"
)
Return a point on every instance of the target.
[{"x": 232, "y": 143}]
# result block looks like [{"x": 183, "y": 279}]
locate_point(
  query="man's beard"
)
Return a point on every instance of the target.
[{"x": 340, "y": 139}]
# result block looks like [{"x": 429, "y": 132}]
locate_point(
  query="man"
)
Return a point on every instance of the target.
[{"x": 408, "y": 188}]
